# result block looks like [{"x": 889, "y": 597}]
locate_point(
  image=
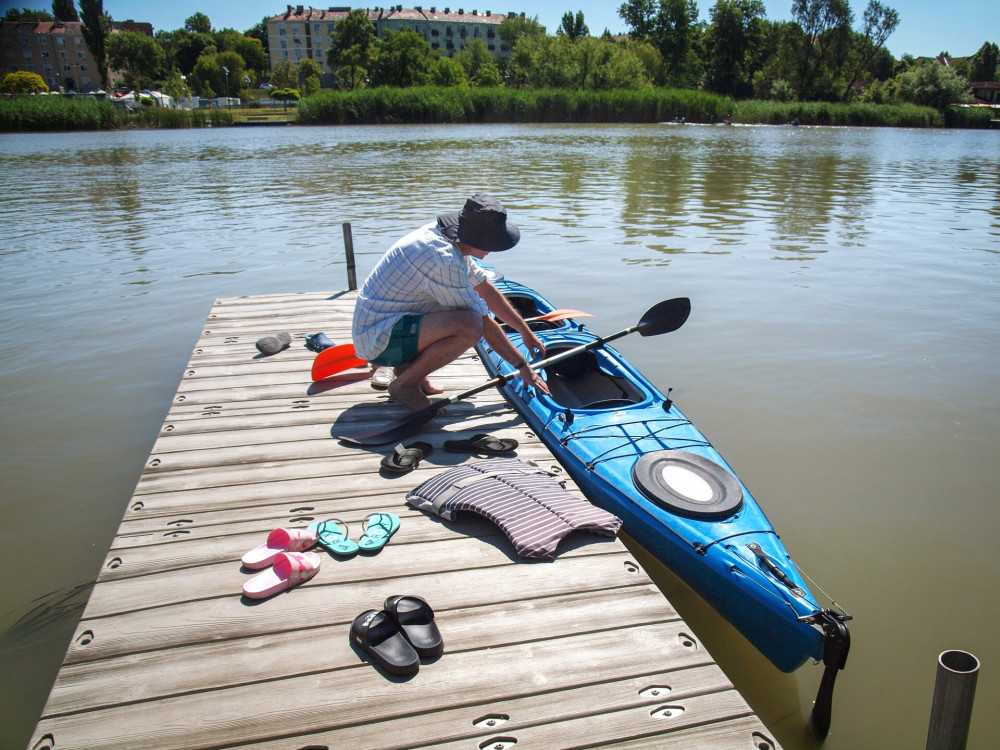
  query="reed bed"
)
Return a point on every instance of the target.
[
  {"x": 54, "y": 113},
  {"x": 431, "y": 104},
  {"x": 477, "y": 105}
]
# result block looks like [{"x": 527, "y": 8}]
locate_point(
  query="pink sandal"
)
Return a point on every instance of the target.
[
  {"x": 279, "y": 540},
  {"x": 290, "y": 569}
]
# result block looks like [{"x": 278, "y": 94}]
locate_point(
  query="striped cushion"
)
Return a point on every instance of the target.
[{"x": 528, "y": 504}]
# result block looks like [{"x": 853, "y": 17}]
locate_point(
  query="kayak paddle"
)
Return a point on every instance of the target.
[
  {"x": 335, "y": 359},
  {"x": 664, "y": 317},
  {"x": 343, "y": 357}
]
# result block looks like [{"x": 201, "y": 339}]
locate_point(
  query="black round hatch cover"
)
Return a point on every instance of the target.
[{"x": 688, "y": 484}]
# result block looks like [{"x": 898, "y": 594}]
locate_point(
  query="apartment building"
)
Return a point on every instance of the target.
[
  {"x": 56, "y": 51},
  {"x": 304, "y": 33}
]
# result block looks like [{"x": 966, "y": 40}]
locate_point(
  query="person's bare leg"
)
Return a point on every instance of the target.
[{"x": 443, "y": 337}]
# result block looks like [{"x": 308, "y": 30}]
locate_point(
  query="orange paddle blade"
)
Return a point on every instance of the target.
[
  {"x": 335, "y": 359},
  {"x": 561, "y": 314}
]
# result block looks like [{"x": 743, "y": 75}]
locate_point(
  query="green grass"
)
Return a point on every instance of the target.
[{"x": 57, "y": 113}]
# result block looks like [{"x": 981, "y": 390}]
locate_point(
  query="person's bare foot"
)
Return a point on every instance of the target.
[
  {"x": 429, "y": 388},
  {"x": 411, "y": 397}
]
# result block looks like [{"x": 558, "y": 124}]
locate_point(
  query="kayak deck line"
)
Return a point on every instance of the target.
[{"x": 582, "y": 650}]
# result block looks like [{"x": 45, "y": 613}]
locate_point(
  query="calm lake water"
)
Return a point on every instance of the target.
[{"x": 842, "y": 352}]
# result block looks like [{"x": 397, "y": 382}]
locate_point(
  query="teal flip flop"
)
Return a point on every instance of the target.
[
  {"x": 376, "y": 530},
  {"x": 333, "y": 539}
]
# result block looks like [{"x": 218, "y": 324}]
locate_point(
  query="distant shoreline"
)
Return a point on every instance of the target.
[{"x": 437, "y": 105}]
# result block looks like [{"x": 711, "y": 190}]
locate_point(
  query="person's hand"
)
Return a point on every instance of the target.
[
  {"x": 532, "y": 378},
  {"x": 535, "y": 346}
]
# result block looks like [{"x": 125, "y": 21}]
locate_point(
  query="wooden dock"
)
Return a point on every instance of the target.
[{"x": 580, "y": 652}]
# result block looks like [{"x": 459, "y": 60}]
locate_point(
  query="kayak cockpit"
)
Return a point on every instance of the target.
[{"x": 581, "y": 383}]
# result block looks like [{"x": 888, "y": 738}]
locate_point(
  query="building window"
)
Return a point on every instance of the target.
[
  {"x": 48, "y": 67},
  {"x": 24, "y": 41},
  {"x": 81, "y": 54},
  {"x": 63, "y": 54},
  {"x": 85, "y": 81},
  {"x": 284, "y": 53},
  {"x": 281, "y": 31},
  {"x": 84, "y": 67},
  {"x": 475, "y": 31},
  {"x": 79, "y": 41},
  {"x": 284, "y": 45},
  {"x": 298, "y": 54},
  {"x": 295, "y": 28},
  {"x": 43, "y": 40},
  {"x": 461, "y": 31},
  {"x": 61, "y": 42},
  {"x": 44, "y": 54},
  {"x": 27, "y": 54}
]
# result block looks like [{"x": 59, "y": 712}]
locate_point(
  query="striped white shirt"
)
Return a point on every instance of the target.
[{"x": 422, "y": 273}]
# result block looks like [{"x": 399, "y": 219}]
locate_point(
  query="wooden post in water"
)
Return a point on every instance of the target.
[
  {"x": 954, "y": 692},
  {"x": 352, "y": 279}
]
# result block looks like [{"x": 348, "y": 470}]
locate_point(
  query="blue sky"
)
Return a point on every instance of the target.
[{"x": 926, "y": 27}]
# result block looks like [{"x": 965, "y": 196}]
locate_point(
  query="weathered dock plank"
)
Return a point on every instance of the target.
[{"x": 580, "y": 651}]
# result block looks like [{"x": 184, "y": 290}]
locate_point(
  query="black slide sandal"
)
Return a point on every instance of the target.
[
  {"x": 415, "y": 619},
  {"x": 405, "y": 459},
  {"x": 379, "y": 638},
  {"x": 482, "y": 444}
]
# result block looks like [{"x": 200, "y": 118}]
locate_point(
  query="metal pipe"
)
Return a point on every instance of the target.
[
  {"x": 954, "y": 693},
  {"x": 352, "y": 279}
]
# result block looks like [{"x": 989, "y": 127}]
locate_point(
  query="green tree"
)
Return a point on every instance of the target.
[
  {"x": 27, "y": 14},
  {"x": 573, "y": 26},
  {"x": 671, "y": 26},
  {"x": 932, "y": 85},
  {"x": 878, "y": 23},
  {"x": 983, "y": 65},
  {"x": 259, "y": 32},
  {"x": 353, "y": 48},
  {"x": 198, "y": 24},
  {"x": 188, "y": 47},
  {"x": 174, "y": 86},
  {"x": 137, "y": 56},
  {"x": 22, "y": 82},
  {"x": 480, "y": 65},
  {"x": 96, "y": 29},
  {"x": 285, "y": 95},
  {"x": 511, "y": 30},
  {"x": 308, "y": 74},
  {"x": 825, "y": 27},
  {"x": 732, "y": 41},
  {"x": 284, "y": 76},
  {"x": 447, "y": 71},
  {"x": 402, "y": 58},
  {"x": 64, "y": 10},
  {"x": 250, "y": 49},
  {"x": 234, "y": 81}
]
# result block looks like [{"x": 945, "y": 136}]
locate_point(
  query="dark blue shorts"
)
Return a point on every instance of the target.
[{"x": 403, "y": 343}]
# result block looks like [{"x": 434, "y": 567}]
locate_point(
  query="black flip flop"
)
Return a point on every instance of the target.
[
  {"x": 405, "y": 459},
  {"x": 379, "y": 637},
  {"x": 482, "y": 444},
  {"x": 415, "y": 619}
]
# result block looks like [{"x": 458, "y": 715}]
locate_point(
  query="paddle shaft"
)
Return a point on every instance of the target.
[
  {"x": 501, "y": 380},
  {"x": 664, "y": 317}
]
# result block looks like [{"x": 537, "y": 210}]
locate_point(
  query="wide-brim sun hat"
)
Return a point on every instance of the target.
[{"x": 482, "y": 223}]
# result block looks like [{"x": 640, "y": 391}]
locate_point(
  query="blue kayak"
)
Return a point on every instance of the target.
[{"x": 634, "y": 454}]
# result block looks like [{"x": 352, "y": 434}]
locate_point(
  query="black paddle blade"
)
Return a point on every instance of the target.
[
  {"x": 394, "y": 432},
  {"x": 665, "y": 317}
]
